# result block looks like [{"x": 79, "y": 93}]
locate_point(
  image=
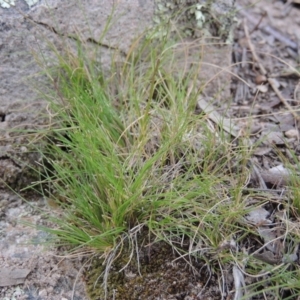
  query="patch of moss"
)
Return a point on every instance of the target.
[{"x": 157, "y": 273}]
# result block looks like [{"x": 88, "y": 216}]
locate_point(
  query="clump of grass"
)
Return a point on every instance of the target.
[{"x": 129, "y": 151}]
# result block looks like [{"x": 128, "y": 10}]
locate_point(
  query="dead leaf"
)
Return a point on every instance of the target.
[
  {"x": 260, "y": 151},
  {"x": 224, "y": 123},
  {"x": 239, "y": 282},
  {"x": 10, "y": 276},
  {"x": 268, "y": 257},
  {"x": 258, "y": 216},
  {"x": 268, "y": 235},
  {"x": 277, "y": 176},
  {"x": 286, "y": 118},
  {"x": 275, "y": 137}
]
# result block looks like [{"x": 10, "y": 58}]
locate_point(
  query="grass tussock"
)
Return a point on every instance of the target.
[{"x": 129, "y": 150}]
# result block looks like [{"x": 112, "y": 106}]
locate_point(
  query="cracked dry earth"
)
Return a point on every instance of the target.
[{"x": 31, "y": 270}]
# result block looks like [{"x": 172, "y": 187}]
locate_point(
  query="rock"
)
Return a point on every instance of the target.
[
  {"x": 29, "y": 28},
  {"x": 25, "y": 256},
  {"x": 16, "y": 164},
  {"x": 292, "y": 133},
  {"x": 13, "y": 276}
]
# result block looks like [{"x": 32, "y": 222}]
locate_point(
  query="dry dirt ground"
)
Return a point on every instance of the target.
[{"x": 30, "y": 270}]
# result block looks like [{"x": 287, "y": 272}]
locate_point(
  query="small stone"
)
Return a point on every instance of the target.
[
  {"x": 3, "y": 203},
  {"x": 259, "y": 79},
  {"x": 292, "y": 133},
  {"x": 23, "y": 149}
]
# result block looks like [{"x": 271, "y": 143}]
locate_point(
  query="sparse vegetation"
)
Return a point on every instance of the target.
[{"x": 131, "y": 159}]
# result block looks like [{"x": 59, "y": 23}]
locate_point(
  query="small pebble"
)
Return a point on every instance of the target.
[
  {"x": 24, "y": 149},
  {"x": 259, "y": 79},
  {"x": 292, "y": 133}
]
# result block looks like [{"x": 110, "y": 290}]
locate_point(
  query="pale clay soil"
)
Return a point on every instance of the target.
[{"x": 52, "y": 276}]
